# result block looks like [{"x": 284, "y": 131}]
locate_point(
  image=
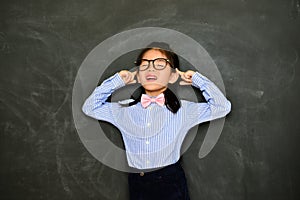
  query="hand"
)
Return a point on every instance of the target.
[
  {"x": 127, "y": 76},
  {"x": 186, "y": 77}
]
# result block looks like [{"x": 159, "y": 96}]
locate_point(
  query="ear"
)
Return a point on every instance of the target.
[{"x": 173, "y": 77}]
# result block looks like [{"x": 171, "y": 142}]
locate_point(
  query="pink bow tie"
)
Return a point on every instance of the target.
[{"x": 146, "y": 100}]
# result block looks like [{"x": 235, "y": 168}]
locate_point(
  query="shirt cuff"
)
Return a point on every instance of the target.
[
  {"x": 198, "y": 80},
  {"x": 117, "y": 81}
]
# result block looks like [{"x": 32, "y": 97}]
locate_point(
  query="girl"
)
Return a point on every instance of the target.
[{"x": 154, "y": 125}]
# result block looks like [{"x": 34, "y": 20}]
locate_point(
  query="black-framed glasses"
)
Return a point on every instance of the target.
[{"x": 158, "y": 64}]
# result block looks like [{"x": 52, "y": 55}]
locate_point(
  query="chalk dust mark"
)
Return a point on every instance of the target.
[{"x": 9, "y": 105}]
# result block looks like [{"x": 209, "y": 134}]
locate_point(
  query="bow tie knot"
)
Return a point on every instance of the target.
[{"x": 146, "y": 100}]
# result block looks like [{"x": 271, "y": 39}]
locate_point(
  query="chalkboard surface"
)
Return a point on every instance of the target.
[{"x": 255, "y": 45}]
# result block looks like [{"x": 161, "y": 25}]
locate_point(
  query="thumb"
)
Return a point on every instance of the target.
[{"x": 185, "y": 83}]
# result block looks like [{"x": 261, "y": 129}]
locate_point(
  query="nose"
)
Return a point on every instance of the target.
[{"x": 151, "y": 66}]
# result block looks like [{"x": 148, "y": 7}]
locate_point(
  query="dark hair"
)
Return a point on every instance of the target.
[
  {"x": 171, "y": 100},
  {"x": 165, "y": 49}
]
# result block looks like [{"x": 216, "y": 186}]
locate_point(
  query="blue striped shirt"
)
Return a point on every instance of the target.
[{"x": 153, "y": 136}]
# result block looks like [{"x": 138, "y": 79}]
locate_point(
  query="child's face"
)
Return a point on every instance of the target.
[{"x": 156, "y": 81}]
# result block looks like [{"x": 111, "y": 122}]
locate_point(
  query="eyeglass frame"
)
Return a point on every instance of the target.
[{"x": 139, "y": 61}]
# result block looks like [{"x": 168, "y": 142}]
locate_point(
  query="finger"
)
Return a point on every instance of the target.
[
  {"x": 187, "y": 75},
  {"x": 179, "y": 72},
  {"x": 124, "y": 74},
  {"x": 185, "y": 83},
  {"x": 190, "y": 73},
  {"x": 185, "y": 78},
  {"x": 124, "y": 77},
  {"x": 129, "y": 78},
  {"x": 132, "y": 77},
  {"x": 131, "y": 82},
  {"x": 134, "y": 74}
]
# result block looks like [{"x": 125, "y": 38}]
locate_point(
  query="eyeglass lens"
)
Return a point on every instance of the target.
[{"x": 158, "y": 64}]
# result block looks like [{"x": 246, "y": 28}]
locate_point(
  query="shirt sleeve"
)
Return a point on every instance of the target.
[
  {"x": 96, "y": 106},
  {"x": 216, "y": 105}
]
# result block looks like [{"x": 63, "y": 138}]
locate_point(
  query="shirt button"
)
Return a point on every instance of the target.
[
  {"x": 142, "y": 174},
  {"x": 147, "y": 161},
  {"x": 147, "y": 142},
  {"x": 148, "y": 124}
]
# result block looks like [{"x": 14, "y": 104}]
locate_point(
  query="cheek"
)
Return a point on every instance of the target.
[
  {"x": 139, "y": 77},
  {"x": 164, "y": 77}
]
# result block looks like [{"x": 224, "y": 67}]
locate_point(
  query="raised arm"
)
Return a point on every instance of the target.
[
  {"x": 96, "y": 106},
  {"x": 217, "y": 104}
]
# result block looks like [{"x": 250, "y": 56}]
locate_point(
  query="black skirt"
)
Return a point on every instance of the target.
[{"x": 168, "y": 183}]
